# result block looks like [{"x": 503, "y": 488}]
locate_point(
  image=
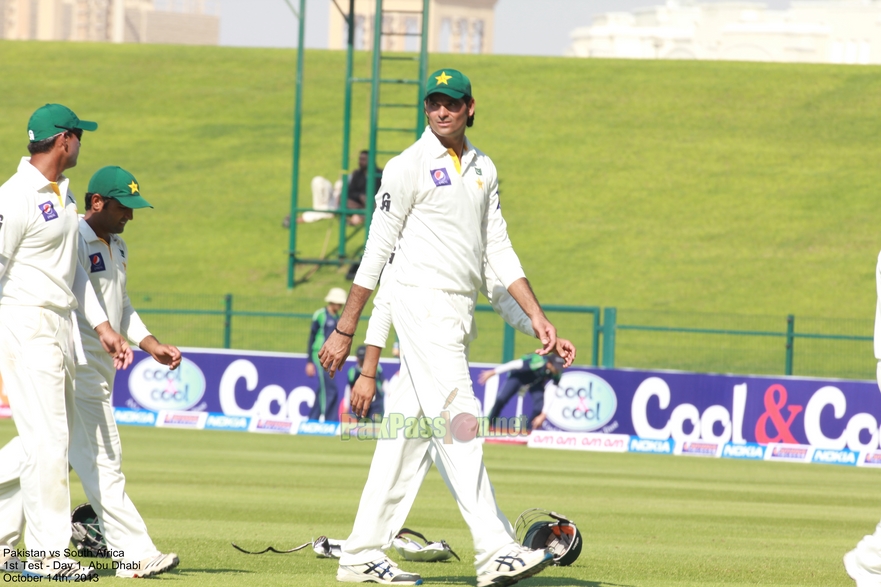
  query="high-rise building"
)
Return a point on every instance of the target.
[
  {"x": 192, "y": 22},
  {"x": 454, "y": 26}
]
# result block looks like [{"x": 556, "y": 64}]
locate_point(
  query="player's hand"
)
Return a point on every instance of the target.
[
  {"x": 164, "y": 354},
  {"x": 167, "y": 355},
  {"x": 485, "y": 376},
  {"x": 362, "y": 396},
  {"x": 567, "y": 350},
  {"x": 115, "y": 345},
  {"x": 334, "y": 353},
  {"x": 538, "y": 421},
  {"x": 310, "y": 369},
  {"x": 546, "y": 333}
]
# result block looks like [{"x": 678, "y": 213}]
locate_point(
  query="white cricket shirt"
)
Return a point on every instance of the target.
[
  {"x": 38, "y": 234},
  {"x": 501, "y": 300},
  {"x": 445, "y": 216},
  {"x": 106, "y": 264}
]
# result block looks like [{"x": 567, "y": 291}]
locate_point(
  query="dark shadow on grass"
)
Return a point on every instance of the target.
[
  {"x": 192, "y": 571},
  {"x": 531, "y": 582},
  {"x": 567, "y": 582}
]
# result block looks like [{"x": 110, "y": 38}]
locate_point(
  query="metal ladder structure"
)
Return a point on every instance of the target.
[{"x": 377, "y": 127}]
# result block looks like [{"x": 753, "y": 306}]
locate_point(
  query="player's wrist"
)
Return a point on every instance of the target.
[{"x": 346, "y": 334}]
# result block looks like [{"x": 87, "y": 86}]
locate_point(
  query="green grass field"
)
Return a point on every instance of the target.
[
  {"x": 661, "y": 187},
  {"x": 647, "y": 521},
  {"x": 696, "y": 186}
]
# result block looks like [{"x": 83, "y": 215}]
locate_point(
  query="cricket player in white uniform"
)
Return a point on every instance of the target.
[
  {"x": 377, "y": 334},
  {"x": 95, "y": 450},
  {"x": 439, "y": 202},
  {"x": 863, "y": 563},
  {"x": 41, "y": 284}
]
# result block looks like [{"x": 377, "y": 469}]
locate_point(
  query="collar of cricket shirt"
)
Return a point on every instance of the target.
[
  {"x": 37, "y": 180},
  {"x": 437, "y": 150},
  {"x": 88, "y": 234}
]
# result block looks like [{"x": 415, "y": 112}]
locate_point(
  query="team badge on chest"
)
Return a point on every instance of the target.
[
  {"x": 47, "y": 209},
  {"x": 440, "y": 177},
  {"x": 97, "y": 262}
]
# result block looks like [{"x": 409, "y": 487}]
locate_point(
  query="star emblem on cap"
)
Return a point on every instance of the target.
[
  {"x": 443, "y": 78},
  {"x": 133, "y": 187}
]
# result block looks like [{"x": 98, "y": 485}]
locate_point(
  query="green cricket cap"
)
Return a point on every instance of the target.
[
  {"x": 451, "y": 82},
  {"x": 51, "y": 119},
  {"x": 117, "y": 183}
]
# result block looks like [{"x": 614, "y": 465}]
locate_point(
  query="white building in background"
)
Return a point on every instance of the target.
[
  {"x": 825, "y": 31},
  {"x": 454, "y": 26},
  {"x": 191, "y": 22}
]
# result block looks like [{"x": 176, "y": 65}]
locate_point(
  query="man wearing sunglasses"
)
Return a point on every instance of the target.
[{"x": 41, "y": 284}]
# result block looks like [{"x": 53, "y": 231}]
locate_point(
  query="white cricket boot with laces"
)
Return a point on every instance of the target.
[
  {"x": 9, "y": 561},
  {"x": 513, "y": 565},
  {"x": 383, "y": 571},
  {"x": 148, "y": 567}
]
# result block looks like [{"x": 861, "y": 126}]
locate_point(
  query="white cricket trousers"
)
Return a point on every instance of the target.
[
  {"x": 435, "y": 328},
  {"x": 96, "y": 456},
  {"x": 868, "y": 550},
  {"x": 37, "y": 365}
]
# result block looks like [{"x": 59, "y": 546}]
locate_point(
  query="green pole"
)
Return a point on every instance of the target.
[
  {"x": 347, "y": 129},
  {"x": 374, "y": 117},
  {"x": 790, "y": 342},
  {"x": 423, "y": 71},
  {"x": 595, "y": 351},
  {"x": 295, "y": 173},
  {"x": 227, "y": 321},
  {"x": 508, "y": 345},
  {"x": 610, "y": 316}
]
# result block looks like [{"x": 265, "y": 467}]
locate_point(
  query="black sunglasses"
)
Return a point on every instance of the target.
[{"x": 77, "y": 132}]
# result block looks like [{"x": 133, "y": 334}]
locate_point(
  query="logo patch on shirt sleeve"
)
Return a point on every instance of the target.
[
  {"x": 47, "y": 209},
  {"x": 440, "y": 177},
  {"x": 97, "y": 262}
]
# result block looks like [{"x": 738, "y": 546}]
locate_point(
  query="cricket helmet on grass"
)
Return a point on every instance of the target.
[
  {"x": 538, "y": 529},
  {"x": 86, "y": 532}
]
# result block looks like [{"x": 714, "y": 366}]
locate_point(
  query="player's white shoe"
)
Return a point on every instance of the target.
[
  {"x": 383, "y": 571},
  {"x": 9, "y": 561},
  {"x": 513, "y": 565},
  {"x": 59, "y": 569},
  {"x": 148, "y": 567},
  {"x": 862, "y": 576}
]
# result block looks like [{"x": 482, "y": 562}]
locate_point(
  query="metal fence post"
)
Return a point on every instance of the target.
[
  {"x": 227, "y": 318},
  {"x": 508, "y": 344},
  {"x": 790, "y": 341},
  {"x": 610, "y": 316},
  {"x": 595, "y": 351}
]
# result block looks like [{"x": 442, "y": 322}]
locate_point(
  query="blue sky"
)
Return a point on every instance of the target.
[{"x": 523, "y": 27}]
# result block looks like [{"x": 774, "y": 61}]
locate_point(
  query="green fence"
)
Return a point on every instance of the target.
[
  {"x": 608, "y": 337},
  {"x": 282, "y": 324},
  {"x": 735, "y": 343}
]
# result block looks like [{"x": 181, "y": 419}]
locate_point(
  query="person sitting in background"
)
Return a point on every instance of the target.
[{"x": 357, "y": 199}]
